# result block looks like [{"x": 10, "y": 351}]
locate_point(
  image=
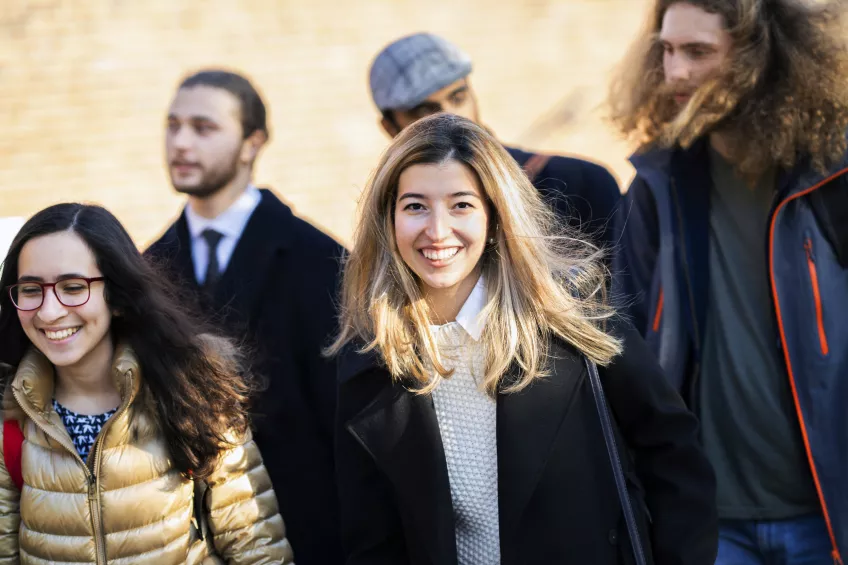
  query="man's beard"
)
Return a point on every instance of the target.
[
  {"x": 212, "y": 182},
  {"x": 666, "y": 107},
  {"x": 710, "y": 108}
]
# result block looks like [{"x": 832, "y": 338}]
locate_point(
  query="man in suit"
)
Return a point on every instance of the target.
[
  {"x": 423, "y": 73},
  {"x": 267, "y": 278}
]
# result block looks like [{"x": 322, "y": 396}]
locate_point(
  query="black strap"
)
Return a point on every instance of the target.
[
  {"x": 534, "y": 165},
  {"x": 199, "y": 509},
  {"x": 617, "y": 470}
]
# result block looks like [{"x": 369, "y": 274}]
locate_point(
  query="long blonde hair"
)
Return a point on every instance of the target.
[
  {"x": 541, "y": 283},
  {"x": 783, "y": 86}
]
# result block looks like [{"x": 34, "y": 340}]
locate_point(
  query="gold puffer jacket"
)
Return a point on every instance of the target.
[{"x": 126, "y": 504}]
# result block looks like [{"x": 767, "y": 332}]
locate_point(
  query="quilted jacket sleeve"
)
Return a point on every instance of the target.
[
  {"x": 10, "y": 517},
  {"x": 244, "y": 519}
]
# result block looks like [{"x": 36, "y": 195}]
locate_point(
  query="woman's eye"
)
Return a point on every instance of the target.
[
  {"x": 414, "y": 207},
  {"x": 73, "y": 288},
  {"x": 464, "y": 205},
  {"x": 29, "y": 290}
]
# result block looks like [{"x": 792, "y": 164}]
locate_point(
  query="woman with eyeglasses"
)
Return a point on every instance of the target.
[
  {"x": 469, "y": 430},
  {"x": 135, "y": 442}
]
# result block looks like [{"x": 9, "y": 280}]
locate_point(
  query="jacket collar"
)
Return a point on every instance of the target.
[
  {"x": 654, "y": 164},
  {"x": 34, "y": 379},
  {"x": 657, "y": 164},
  {"x": 269, "y": 231}
]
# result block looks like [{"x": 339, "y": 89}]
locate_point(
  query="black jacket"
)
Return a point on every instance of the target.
[
  {"x": 557, "y": 497},
  {"x": 584, "y": 194},
  {"x": 278, "y": 294}
]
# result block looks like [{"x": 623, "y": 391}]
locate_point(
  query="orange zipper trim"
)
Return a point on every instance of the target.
[
  {"x": 837, "y": 558},
  {"x": 659, "y": 313},
  {"x": 814, "y": 279}
]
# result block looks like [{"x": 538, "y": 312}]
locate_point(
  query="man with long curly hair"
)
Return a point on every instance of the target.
[{"x": 733, "y": 254}]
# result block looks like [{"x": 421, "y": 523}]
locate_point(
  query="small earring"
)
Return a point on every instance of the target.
[{"x": 492, "y": 239}]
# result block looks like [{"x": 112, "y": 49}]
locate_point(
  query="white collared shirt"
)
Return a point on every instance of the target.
[
  {"x": 470, "y": 317},
  {"x": 467, "y": 418},
  {"x": 230, "y": 223}
]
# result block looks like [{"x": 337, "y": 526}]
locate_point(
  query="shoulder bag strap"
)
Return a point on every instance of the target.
[
  {"x": 534, "y": 165},
  {"x": 612, "y": 450}
]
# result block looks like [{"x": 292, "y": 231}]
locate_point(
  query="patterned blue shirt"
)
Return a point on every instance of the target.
[{"x": 83, "y": 429}]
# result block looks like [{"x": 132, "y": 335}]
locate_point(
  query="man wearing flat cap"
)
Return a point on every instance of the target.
[{"x": 422, "y": 74}]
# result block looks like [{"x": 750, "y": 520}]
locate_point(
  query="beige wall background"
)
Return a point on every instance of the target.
[{"x": 85, "y": 85}]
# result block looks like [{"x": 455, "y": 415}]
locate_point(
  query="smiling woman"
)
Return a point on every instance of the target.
[
  {"x": 467, "y": 432},
  {"x": 68, "y": 320},
  {"x": 453, "y": 188},
  {"x": 441, "y": 227},
  {"x": 124, "y": 405}
]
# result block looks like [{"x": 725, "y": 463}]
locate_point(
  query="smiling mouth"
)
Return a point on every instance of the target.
[
  {"x": 61, "y": 334},
  {"x": 440, "y": 254}
]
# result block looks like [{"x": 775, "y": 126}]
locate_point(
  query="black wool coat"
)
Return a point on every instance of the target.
[
  {"x": 558, "y": 501},
  {"x": 278, "y": 296}
]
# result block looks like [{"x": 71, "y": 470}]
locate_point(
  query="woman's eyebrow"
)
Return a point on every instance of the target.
[
  {"x": 412, "y": 195},
  {"x": 463, "y": 194},
  {"x": 30, "y": 278}
]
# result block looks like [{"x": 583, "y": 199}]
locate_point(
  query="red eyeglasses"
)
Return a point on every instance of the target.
[{"x": 29, "y": 296}]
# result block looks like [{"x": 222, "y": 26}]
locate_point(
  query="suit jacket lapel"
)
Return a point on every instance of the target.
[
  {"x": 176, "y": 251},
  {"x": 400, "y": 431},
  {"x": 528, "y": 424},
  {"x": 243, "y": 283}
]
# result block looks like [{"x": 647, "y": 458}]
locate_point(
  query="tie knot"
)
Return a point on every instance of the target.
[{"x": 212, "y": 237}]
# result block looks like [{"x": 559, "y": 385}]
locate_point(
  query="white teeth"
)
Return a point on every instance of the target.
[
  {"x": 440, "y": 254},
  {"x": 61, "y": 334}
]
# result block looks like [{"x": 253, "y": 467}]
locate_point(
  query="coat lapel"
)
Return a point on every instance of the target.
[
  {"x": 528, "y": 424},
  {"x": 244, "y": 282},
  {"x": 174, "y": 252},
  {"x": 400, "y": 431}
]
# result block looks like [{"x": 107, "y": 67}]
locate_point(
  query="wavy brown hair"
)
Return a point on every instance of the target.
[
  {"x": 542, "y": 282},
  {"x": 784, "y": 87},
  {"x": 197, "y": 390}
]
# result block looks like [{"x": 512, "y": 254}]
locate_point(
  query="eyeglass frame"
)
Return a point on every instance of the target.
[{"x": 45, "y": 285}]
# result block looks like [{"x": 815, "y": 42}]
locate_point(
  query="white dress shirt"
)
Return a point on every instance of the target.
[
  {"x": 230, "y": 223},
  {"x": 467, "y": 419}
]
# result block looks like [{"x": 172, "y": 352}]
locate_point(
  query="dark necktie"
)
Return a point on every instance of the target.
[{"x": 213, "y": 271}]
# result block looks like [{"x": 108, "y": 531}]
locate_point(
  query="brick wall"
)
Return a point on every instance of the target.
[{"x": 85, "y": 84}]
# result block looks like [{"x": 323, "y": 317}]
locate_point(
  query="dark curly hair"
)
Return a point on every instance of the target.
[
  {"x": 195, "y": 382},
  {"x": 785, "y": 86}
]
